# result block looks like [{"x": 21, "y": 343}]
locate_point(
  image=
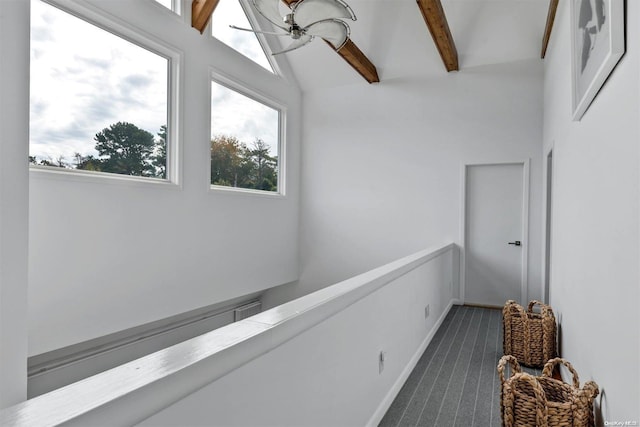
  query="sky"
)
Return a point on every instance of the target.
[
  {"x": 229, "y": 12},
  {"x": 233, "y": 113},
  {"x": 81, "y": 85}
]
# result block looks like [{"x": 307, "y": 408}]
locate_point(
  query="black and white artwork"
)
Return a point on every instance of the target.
[{"x": 598, "y": 44}]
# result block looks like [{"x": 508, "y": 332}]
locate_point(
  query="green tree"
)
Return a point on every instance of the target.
[
  {"x": 159, "y": 158},
  {"x": 235, "y": 165},
  {"x": 57, "y": 163},
  {"x": 89, "y": 162},
  {"x": 264, "y": 167},
  {"x": 126, "y": 149},
  {"x": 228, "y": 162}
]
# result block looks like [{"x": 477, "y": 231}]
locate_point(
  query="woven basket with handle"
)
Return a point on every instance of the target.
[
  {"x": 526, "y": 400},
  {"x": 529, "y": 336}
]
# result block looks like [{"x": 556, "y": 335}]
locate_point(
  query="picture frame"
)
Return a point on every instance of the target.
[{"x": 597, "y": 33}]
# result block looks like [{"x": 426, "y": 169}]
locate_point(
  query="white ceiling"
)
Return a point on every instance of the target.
[{"x": 394, "y": 36}]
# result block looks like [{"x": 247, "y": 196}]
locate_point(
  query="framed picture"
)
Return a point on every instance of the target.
[{"x": 597, "y": 30}]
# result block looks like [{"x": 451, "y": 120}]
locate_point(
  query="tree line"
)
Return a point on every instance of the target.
[
  {"x": 124, "y": 148},
  {"x": 235, "y": 164}
]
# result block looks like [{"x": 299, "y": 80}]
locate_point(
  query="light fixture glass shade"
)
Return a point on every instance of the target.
[
  {"x": 270, "y": 9},
  {"x": 334, "y": 31},
  {"x": 307, "y": 12}
]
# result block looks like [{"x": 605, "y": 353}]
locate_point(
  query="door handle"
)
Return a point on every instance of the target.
[{"x": 516, "y": 243}]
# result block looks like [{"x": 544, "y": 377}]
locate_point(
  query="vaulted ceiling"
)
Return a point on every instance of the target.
[{"x": 404, "y": 38}]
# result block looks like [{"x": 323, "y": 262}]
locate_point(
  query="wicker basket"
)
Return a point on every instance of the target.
[
  {"x": 543, "y": 401},
  {"x": 529, "y": 336}
]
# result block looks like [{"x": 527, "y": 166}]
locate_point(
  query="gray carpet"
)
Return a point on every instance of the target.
[{"x": 455, "y": 382}]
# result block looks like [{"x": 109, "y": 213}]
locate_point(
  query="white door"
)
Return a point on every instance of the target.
[{"x": 494, "y": 240}]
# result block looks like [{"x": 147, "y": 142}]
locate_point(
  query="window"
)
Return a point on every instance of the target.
[
  {"x": 231, "y": 12},
  {"x": 98, "y": 102},
  {"x": 245, "y": 141},
  {"x": 170, "y": 4}
]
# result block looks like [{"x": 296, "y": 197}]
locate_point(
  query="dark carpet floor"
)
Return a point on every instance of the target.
[{"x": 455, "y": 382}]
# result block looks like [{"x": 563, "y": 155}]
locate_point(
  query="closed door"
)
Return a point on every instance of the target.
[{"x": 494, "y": 240}]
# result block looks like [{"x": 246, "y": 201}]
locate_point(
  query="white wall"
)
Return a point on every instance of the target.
[
  {"x": 328, "y": 375},
  {"x": 381, "y": 164},
  {"x": 14, "y": 200},
  {"x": 108, "y": 254},
  {"x": 594, "y": 277}
]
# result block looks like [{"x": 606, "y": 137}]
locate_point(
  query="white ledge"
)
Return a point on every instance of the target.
[{"x": 151, "y": 383}]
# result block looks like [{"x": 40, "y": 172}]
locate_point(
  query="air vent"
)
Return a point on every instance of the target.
[{"x": 247, "y": 310}]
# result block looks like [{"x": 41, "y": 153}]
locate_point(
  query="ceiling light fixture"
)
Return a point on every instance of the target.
[{"x": 307, "y": 19}]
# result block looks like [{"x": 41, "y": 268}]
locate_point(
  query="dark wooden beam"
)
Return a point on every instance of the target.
[
  {"x": 551, "y": 16},
  {"x": 436, "y": 20},
  {"x": 354, "y": 57},
  {"x": 201, "y": 11}
]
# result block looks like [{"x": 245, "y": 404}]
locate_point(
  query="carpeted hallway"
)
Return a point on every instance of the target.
[{"x": 455, "y": 382}]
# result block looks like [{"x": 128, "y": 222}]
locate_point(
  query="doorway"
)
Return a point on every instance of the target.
[{"x": 495, "y": 229}]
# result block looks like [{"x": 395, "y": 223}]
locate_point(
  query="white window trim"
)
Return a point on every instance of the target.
[
  {"x": 142, "y": 39},
  {"x": 176, "y": 6},
  {"x": 258, "y": 96}
]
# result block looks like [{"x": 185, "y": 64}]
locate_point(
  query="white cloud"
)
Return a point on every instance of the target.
[
  {"x": 233, "y": 113},
  {"x": 230, "y": 12},
  {"x": 84, "y": 79},
  {"x": 237, "y": 115}
]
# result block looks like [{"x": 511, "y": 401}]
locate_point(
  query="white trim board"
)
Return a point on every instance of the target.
[{"x": 547, "y": 215}]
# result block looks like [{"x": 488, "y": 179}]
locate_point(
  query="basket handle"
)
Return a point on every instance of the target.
[
  {"x": 511, "y": 361},
  {"x": 533, "y": 303},
  {"x": 507, "y": 311},
  {"x": 591, "y": 390},
  {"x": 545, "y": 310},
  {"x": 541, "y": 399},
  {"x": 547, "y": 371}
]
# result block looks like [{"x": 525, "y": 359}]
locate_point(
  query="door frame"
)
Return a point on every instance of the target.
[
  {"x": 524, "y": 280},
  {"x": 547, "y": 218}
]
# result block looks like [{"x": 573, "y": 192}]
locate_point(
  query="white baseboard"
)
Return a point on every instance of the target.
[{"x": 395, "y": 389}]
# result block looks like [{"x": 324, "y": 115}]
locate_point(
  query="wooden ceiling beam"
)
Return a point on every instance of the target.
[
  {"x": 436, "y": 20},
  {"x": 201, "y": 11},
  {"x": 354, "y": 57},
  {"x": 551, "y": 16}
]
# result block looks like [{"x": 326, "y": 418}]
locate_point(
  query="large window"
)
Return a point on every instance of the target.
[
  {"x": 231, "y": 12},
  {"x": 245, "y": 141},
  {"x": 98, "y": 102}
]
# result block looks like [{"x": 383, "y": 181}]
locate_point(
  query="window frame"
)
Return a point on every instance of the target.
[
  {"x": 256, "y": 95},
  {"x": 175, "y": 60},
  {"x": 176, "y": 6}
]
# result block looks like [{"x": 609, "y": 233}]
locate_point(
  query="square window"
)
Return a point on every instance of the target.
[
  {"x": 98, "y": 101},
  {"x": 245, "y": 141}
]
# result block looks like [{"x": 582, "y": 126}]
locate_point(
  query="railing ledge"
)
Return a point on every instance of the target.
[{"x": 151, "y": 383}]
